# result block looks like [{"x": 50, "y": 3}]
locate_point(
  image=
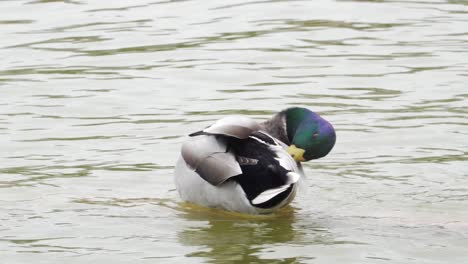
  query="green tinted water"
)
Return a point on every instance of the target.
[{"x": 97, "y": 96}]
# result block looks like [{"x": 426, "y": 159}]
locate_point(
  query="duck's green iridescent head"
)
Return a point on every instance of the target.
[{"x": 310, "y": 135}]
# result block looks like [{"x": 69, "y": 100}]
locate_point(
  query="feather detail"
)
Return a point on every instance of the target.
[
  {"x": 209, "y": 157},
  {"x": 243, "y": 161},
  {"x": 293, "y": 177},
  {"x": 234, "y": 126},
  {"x": 218, "y": 167},
  {"x": 196, "y": 149},
  {"x": 269, "y": 194}
]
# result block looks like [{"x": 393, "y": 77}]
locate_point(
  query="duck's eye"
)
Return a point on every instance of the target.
[{"x": 314, "y": 135}]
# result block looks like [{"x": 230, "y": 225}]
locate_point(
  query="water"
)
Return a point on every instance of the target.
[{"x": 97, "y": 96}]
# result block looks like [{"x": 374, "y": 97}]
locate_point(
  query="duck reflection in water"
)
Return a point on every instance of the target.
[{"x": 239, "y": 238}]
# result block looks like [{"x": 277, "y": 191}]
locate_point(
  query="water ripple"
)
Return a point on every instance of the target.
[{"x": 97, "y": 101}]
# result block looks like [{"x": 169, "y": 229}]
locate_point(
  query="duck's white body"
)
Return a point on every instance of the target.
[
  {"x": 193, "y": 188},
  {"x": 206, "y": 170}
]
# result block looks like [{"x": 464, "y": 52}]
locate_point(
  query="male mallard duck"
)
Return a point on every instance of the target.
[{"x": 244, "y": 166}]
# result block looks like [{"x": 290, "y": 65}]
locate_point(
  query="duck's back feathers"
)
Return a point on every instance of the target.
[
  {"x": 210, "y": 158},
  {"x": 233, "y": 126},
  {"x": 207, "y": 151}
]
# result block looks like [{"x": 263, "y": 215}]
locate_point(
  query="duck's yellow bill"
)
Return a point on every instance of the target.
[{"x": 296, "y": 153}]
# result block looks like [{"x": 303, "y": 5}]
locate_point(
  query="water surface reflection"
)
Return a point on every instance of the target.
[{"x": 236, "y": 238}]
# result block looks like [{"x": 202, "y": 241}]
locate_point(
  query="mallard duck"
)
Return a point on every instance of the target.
[{"x": 240, "y": 165}]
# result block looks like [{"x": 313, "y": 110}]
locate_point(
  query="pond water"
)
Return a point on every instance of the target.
[{"x": 97, "y": 96}]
